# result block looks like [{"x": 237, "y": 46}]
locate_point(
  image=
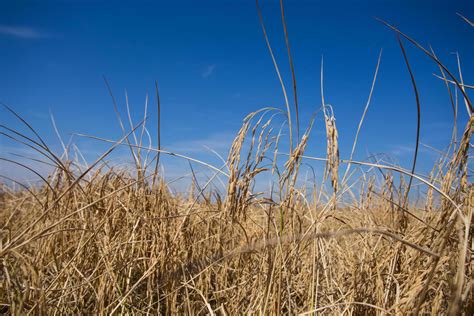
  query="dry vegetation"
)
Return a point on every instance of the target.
[{"x": 92, "y": 239}]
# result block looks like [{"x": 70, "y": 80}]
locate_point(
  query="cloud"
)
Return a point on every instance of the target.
[
  {"x": 210, "y": 69},
  {"x": 38, "y": 114},
  {"x": 219, "y": 142},
  {"x": 24, "y": 156},
  {"x": 22, "y": 32},
  {"x": 401, "y": 150},
  {"x": 407, "y": 151}
]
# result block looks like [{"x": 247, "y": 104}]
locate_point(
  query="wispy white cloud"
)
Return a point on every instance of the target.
[
  {"x": 405, "y": 151},
  {"x": 38, "y": 114},
  {"x": 24, "y": 156},
  {"x": 22, "y": 32},
  {"x": 210, "y": 69},
  {"x": 401, "y": 150},
  {"x": 219, "y": 142}
]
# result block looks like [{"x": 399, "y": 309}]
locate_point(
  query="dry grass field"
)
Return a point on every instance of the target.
[{"x": 96, "y": 239}]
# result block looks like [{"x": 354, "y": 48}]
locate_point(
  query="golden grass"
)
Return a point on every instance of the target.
[
  {"x": 116, "y": 246},
  {"x": 101, "y": 240}
]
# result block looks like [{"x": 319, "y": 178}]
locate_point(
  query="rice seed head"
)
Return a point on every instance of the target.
[{"x": 332, "y": 147}]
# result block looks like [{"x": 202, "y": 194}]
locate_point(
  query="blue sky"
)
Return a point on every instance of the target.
[{"x": 213, "y": 67}]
